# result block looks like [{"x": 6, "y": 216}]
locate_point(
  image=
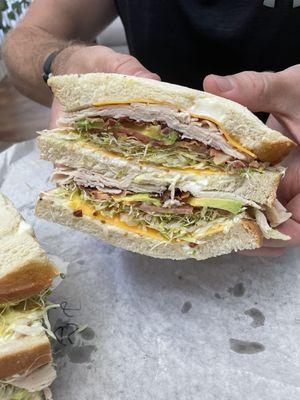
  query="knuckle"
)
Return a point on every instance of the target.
[
  {"x": 122, "y": 63},
  {"x": 258, "y": 82}
]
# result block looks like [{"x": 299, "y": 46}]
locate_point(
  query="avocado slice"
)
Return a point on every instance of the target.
[
  {"x": 134, "y": 198},
  {"x": 85, "y": 124},
  {"x": 231, "y": 205},
  {"x": 154, "y": 132}
]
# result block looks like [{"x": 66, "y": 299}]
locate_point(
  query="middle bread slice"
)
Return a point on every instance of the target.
[{"x": 87, "y": 163}]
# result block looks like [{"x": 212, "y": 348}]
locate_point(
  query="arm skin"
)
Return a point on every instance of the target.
[
  {"x": 54, "y": 24},
  {"x": 278, "y": 94}
]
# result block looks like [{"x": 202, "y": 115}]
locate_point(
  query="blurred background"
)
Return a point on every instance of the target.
[{"x": 20, "y": 117}]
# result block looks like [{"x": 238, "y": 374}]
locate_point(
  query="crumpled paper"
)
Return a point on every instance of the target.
[{"x": 133, "y": 327}]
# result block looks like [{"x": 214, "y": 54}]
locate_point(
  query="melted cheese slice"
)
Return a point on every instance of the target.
[
  {"x": 237, "y": 145},
  {"x": 78, "y": 204},
  {"x": 214, "y": 229}
]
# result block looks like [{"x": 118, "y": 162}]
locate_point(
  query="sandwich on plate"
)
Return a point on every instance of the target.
[
  {"x": 26, "y": 273},
  {"x": 160, "y": 169}
]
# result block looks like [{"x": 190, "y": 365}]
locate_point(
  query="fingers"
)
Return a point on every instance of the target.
[
  {"x": 104, "y": 59},
  {"x": 259, "y": 91},
  {"x": 290, "y": 228},
  {"x": 264, "y": 252},
  {"x": 128, "y": 65},
  {"x": 82, "y": 59},
  {"x": 293, "y": 206},
  {"x": 289, "y": 187},
  {"x": 55, "y": 113}
]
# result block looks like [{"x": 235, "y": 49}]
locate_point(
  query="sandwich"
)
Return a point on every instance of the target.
[
  {"x": 26, "y": 369},
  {"x": 160, "y": 169},
  {"x": 25, "y": 269},
  {"x": 26, "y": 273}
]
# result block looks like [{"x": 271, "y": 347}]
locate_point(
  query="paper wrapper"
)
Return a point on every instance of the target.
[{"x": 226, "y": 328}]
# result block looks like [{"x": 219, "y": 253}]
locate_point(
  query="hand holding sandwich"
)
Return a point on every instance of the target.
[
  {"x": 83, "y": 59},
  {"x": 277, "y": 94}
]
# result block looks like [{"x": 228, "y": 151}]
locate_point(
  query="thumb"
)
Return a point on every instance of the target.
[
  {"x": 259, "y": 91},
  {"x": 55, "y": 113}
]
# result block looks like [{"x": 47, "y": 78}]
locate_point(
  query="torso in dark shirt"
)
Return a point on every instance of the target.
[{"x": 184, "y": 40}]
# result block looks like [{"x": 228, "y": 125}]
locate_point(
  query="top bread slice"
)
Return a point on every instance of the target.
[
  {"x": 25, "y": 269},
  {"x": 77, "y": 92}
]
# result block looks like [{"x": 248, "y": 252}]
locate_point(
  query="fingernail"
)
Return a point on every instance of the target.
[
  {"x": 224, "y": 83},
  {"x": 145, "y": 74}
]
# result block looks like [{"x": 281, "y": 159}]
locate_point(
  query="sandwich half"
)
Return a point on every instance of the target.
[
  {"x": 161, "y": 169},
  {"x": 25, "y": 269},
  {"x": 26, "y": 370},
  {"x": 26, "y": 273}
]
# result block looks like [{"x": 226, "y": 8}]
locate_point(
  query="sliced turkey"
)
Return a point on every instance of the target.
[{"x": 191, "y": 128}]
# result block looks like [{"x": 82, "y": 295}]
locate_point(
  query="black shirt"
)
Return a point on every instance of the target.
[{"x": 184, "y": 40}]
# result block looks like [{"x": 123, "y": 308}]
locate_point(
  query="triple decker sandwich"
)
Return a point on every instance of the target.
[{"x": 160, "y": 169}]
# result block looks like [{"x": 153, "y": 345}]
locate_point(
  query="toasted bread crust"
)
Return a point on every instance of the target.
[
  {"x": 17, "y": 362},
  {"x": 252, "y": 227}
]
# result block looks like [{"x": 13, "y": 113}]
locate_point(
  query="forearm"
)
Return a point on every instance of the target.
[{"x": 25, "y": 50}]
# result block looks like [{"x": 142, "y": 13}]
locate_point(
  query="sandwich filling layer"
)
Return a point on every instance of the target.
[
  {"x": 161, "y": 135},
  {"x": 27, "y": 318},
  {"x": 179, "y": 217}
]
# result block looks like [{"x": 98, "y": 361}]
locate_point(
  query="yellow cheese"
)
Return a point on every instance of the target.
[
  {"x": 214, "y": 229},
  {"x": 96, "y": 147},
  {"x": 234, "y": 143},
  {"x": 77, "y": 204},
  {"x": 227, "y": 136}
]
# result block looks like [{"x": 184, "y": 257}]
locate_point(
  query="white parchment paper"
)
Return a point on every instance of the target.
[{"x": 227, "y": 328}]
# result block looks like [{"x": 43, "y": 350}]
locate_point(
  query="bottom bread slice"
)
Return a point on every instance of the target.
[{"x": 244, "y": 234}]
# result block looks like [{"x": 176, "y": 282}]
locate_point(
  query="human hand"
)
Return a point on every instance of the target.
[
  {"x": 278, "y": 94},
  {"x": 83, "y": 59}
]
